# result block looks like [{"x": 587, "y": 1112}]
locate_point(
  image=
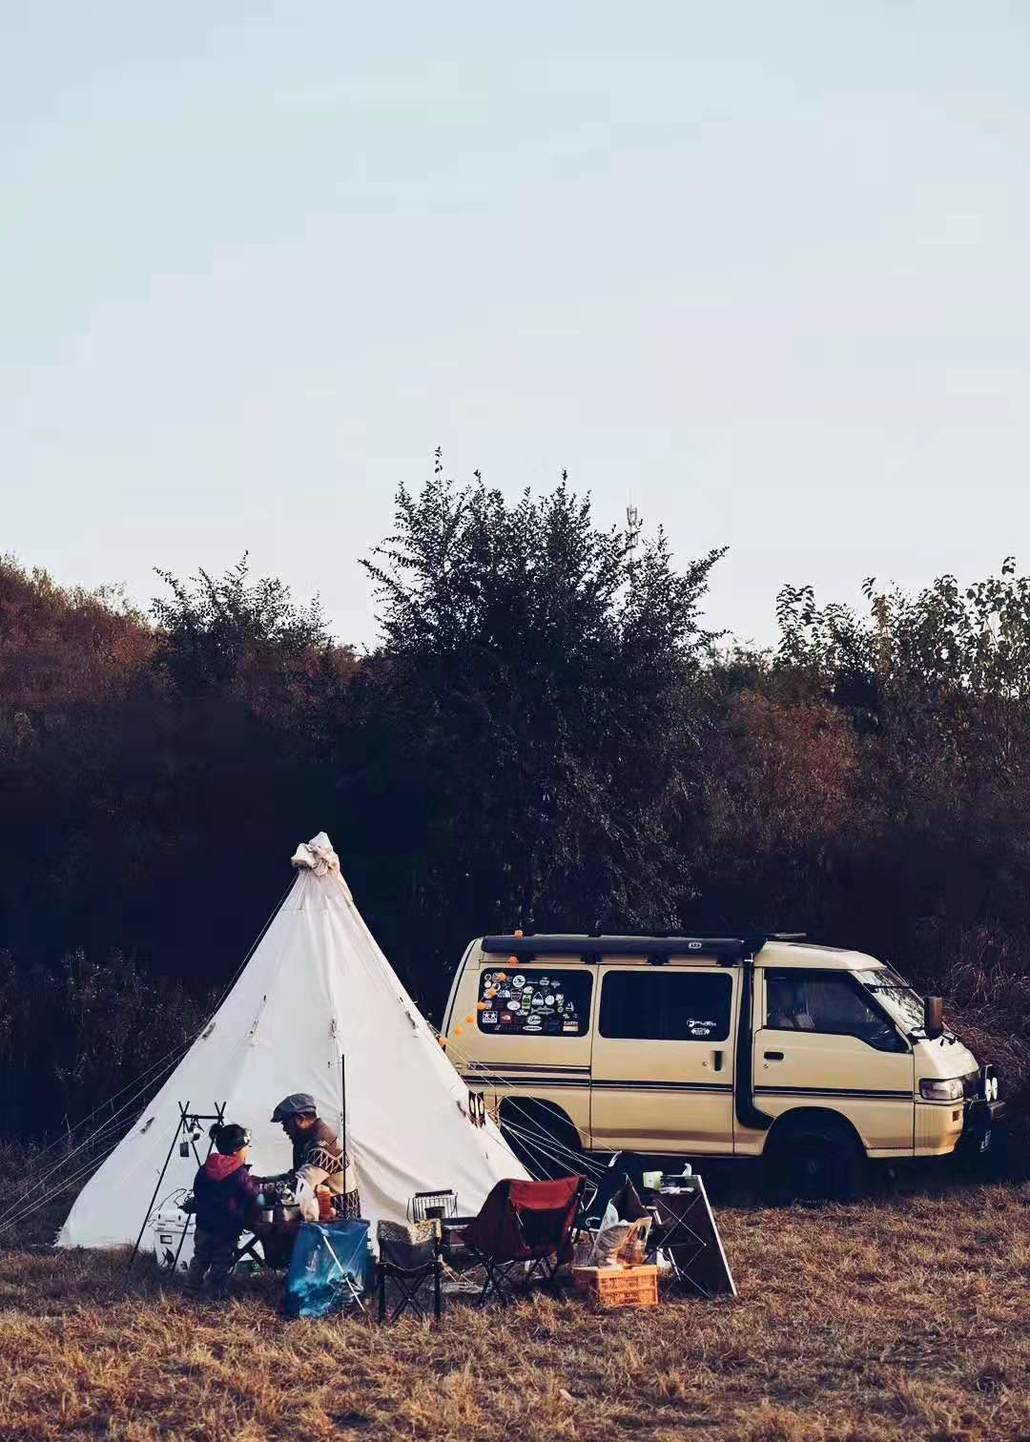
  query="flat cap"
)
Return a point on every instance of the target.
[{"x": 294, "y": 1105}]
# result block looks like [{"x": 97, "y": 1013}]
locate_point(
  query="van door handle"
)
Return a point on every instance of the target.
[
  {"x": 716, "y": 1061},
  {"x": 773, "y": 1055}
]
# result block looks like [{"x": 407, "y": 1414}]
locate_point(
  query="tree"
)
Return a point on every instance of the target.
[
  {"x": 74, "y": 1034},
  {"x": 525, "y": 732},
  {"x": 225, "y": 633},
  {"x": 783, "y": 805},
  {"x": 937, "y": 686},
  {"x": 155, "y": 777}
]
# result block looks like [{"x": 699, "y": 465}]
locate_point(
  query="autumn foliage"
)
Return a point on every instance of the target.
[{"x": 547, "y": 736}]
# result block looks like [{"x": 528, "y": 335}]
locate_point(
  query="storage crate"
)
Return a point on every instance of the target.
[{"x": 618, "y": 1286}]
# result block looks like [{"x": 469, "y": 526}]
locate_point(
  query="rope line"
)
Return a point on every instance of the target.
[
  {"x": 29, "y": 1201},
  {"x": 150, "y": 1074},
  {"x": 583, "y": 1165},
  {"x": 115, "y": 1122},
  {"x": 16, "y": 1216},
  {"x": 109, "y": 1101},
  {"x": 559, "y": 1150}
]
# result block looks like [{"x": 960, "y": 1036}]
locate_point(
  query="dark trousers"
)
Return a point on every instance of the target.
[{"x": 213, "y": 1260}]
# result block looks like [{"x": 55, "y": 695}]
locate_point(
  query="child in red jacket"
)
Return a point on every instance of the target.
[{"x": 224, "y": 1202}]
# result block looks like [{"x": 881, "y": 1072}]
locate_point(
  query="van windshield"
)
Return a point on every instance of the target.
[{"x": 895, "y": 995}]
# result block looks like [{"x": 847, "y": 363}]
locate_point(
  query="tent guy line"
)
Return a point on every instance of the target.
[{"x": 140, "y": 1082}]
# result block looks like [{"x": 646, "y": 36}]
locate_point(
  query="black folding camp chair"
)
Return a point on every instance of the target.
[
  {"x": 620, "y": 1184},
  {"x": 409, "y": 1259}
]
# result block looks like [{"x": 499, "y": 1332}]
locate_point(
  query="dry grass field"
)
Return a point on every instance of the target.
[{"x": 902, "y": 1317}]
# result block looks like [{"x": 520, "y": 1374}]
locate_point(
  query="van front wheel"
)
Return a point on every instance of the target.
[{"x": 814, "y": 1161}]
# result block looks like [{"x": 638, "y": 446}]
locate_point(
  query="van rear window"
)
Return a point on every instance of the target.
[
  {"x": 666, "y": 1005},
  {"x": 534, "y": 1003}
]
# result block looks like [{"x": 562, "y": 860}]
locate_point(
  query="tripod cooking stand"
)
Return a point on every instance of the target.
[{"x": 188, "y": 1131}]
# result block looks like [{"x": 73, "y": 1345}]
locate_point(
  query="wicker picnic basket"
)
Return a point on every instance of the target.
[{"x": 618, "y": 1286}]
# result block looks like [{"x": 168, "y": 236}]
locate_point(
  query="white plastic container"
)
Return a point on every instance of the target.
[{"x": 169, "y": 1226}]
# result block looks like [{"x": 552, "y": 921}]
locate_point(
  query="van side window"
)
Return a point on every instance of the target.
[
  {"x": 825, "y": 1002},
  {"x": 666, "y": 1005},
  {"x": 534, "y": 1003}
]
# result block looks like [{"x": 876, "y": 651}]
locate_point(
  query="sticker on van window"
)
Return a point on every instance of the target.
[{"x": 555, "y": 1004}]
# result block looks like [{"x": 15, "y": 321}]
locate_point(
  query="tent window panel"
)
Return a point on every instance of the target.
[
  {"x": 534, "y": 1003},
  {"x": 666, "y": 1006}
]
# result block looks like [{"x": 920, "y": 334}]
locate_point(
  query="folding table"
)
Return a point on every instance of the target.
[{"x": 685, "y": 1229}]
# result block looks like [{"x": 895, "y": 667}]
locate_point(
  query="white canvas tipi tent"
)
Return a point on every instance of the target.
[{"x": 316, "y": 1002}]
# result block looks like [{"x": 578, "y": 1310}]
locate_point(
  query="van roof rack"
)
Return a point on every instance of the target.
[{"x": 658, "y": 949}]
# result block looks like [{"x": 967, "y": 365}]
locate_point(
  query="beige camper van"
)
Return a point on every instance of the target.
[{"x": 810, "y": 1057}]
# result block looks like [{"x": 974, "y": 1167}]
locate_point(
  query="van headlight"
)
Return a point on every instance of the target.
[{"x": 948, "y": 1090}]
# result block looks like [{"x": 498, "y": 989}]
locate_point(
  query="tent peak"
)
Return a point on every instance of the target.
[{"x": 316, "y": 855}]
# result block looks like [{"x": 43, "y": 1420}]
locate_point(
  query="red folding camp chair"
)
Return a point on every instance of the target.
[{"x": 524, "y": 1231}]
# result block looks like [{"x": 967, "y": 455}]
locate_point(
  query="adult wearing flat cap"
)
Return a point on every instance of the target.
[{"x": 318, "y": 1158}]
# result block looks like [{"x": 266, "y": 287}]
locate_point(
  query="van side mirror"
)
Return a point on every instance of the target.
[{"x": 933, "y": 1017}]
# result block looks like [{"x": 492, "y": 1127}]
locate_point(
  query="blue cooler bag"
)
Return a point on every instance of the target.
[{"x": 332, "y": 1264}]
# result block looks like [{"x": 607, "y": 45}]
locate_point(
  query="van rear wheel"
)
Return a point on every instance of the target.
[
  {"x": 815, "y": 1161},
  {"x": 542, "y": 1137}
]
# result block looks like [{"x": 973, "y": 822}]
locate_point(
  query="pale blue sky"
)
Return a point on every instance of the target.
[{"x": 760, "y": 267}]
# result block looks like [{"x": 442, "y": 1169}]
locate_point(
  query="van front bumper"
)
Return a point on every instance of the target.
[{"x": 981, "y": 1123}]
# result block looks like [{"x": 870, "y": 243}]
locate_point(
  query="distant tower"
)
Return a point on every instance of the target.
[{"x": 633, "y": 525}]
